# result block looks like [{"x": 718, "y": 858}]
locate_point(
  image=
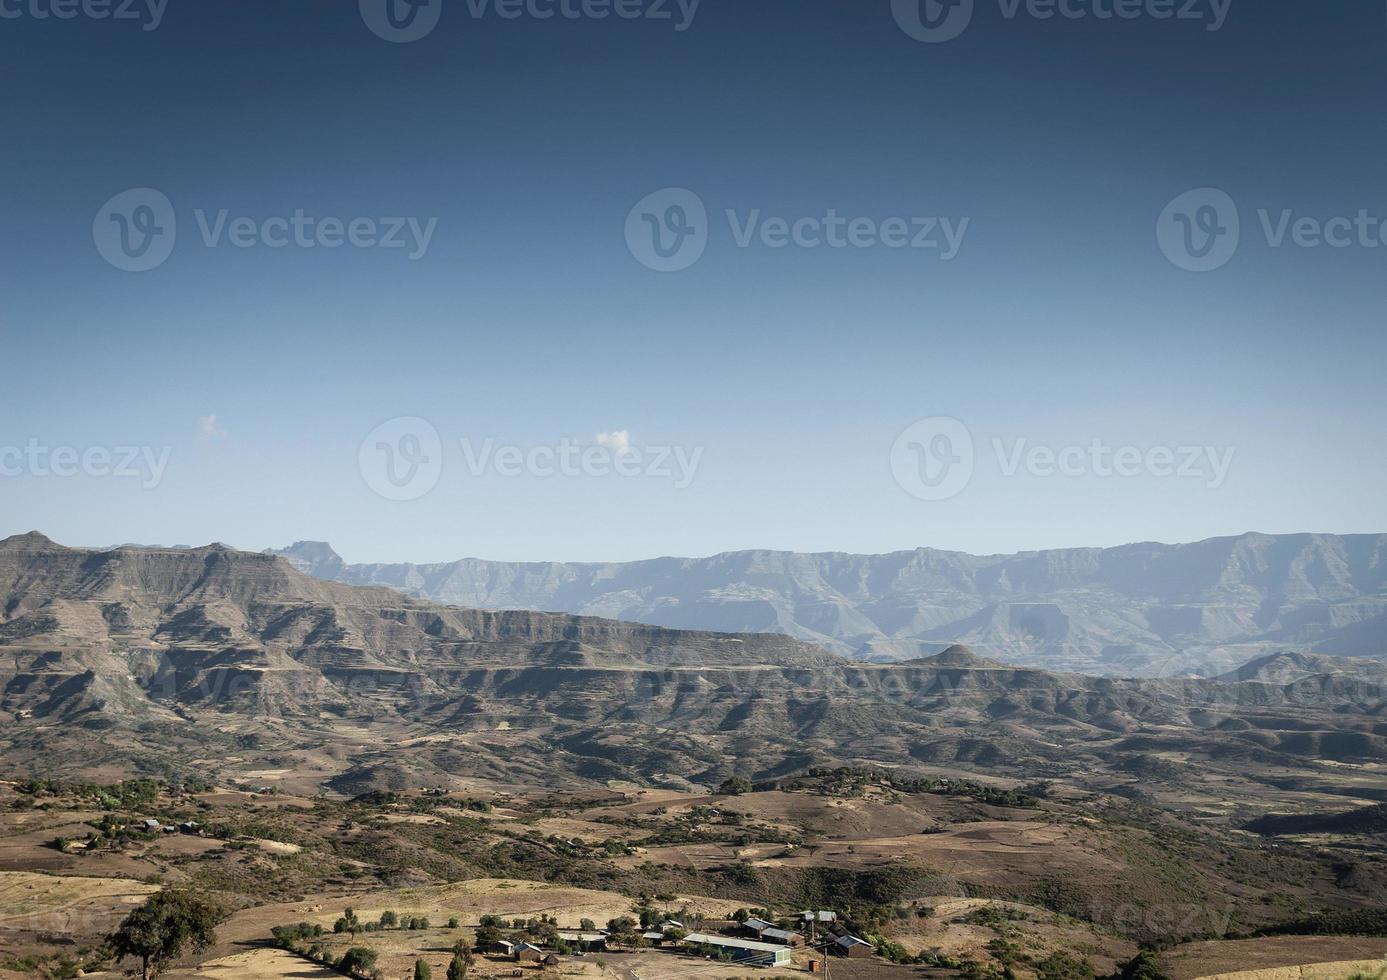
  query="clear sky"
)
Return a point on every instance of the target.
[{"x": 786, "y": 373}]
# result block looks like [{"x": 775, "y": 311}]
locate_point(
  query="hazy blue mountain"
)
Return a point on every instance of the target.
[{"x": 1140, "y": 609}]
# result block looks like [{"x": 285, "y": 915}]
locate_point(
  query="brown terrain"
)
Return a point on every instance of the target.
[{"x": 337, "y": 746}]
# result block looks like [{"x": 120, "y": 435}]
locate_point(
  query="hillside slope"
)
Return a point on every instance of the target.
[{"x": 226, "y": 658}]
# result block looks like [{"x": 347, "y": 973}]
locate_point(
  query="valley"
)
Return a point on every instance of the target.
[{"x": 297, "y": 744}]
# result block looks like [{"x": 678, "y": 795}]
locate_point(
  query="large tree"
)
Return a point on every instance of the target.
[{"x": 164, "y": 928}]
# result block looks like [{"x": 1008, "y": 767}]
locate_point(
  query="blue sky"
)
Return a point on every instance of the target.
[{"x": 790, "y": 371}]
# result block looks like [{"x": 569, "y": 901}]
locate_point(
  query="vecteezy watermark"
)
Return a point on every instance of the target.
[
  {"x": 148, "y": 13},
  {"x": 574, "y": 458},
  {"x": 136, "y": 231},
  {"x": 937, "y": 21},
  {"x": 935, "y": 459},
  {"x": 401, "y": 21},
  {"x": 669, "y": 231},
  {"x": 403, "y": 459},
  {"x": 1190, "y": 919},
  {"x": 1201, "y": 230},
  {"x": 40, "y": 461},
  {"x": 405, "y": 21}
]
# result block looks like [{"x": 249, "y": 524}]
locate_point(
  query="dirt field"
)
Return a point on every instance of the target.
[
  {"x": 40, "y": 904},
  {"x": 832, "y": 818},
  {"x": 260, "y": 964},
  {"x": 986, "y": 851},
  {"x": 1277, "y": 953},
  {"x": 1310, "y": 971}
]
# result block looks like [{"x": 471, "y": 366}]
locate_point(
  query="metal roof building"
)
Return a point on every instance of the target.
[
  {"x": 852, "y": 946},
  {"x": 784, "y": 936},
  {"x": 768, "y": 954}
]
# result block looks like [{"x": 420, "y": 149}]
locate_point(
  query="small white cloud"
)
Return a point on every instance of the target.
[
  {"x": 618, "y": 441},
  {"x": 208, "y": 428}
]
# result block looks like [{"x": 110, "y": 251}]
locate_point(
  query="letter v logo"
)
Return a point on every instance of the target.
[{"x": 933, "y": 21}]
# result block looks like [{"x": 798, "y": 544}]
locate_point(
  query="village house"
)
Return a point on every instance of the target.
[
  {"x": 501, "y": 947},
  {"x": 853, "y": 947},
  {"x": 588, "y": 942},
  {"x": 815, "y": 919},
  {"x": 528, "y": 953},
  {"x": 757, "y": 926},
  {"x": 782, "y": 936}
]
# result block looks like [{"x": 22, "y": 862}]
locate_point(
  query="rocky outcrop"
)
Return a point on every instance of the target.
[{"x": 155, "y": 647}]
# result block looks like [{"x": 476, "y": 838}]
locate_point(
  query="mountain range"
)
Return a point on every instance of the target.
[
  {"x": 1138, "y": 610},
  {"x": 231, "y": 662}
]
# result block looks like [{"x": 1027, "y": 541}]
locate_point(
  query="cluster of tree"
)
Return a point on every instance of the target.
[
  {"x": 1365, "y": 820},
  {"x": 457, "y": 967},
  {"x": 741, "y": 874},
  {"x": 651, "y": 916},
  {"x": 625, "y": 931},
  {"x": 1355, "y": 922},
  {"x": 352, "y": 923},
  {"x": 850, "y": 781},
  {"x": 1143, "y": 966},
  {"x": 542, "y": 930},
  {"x": 741, "y": 915},
  {"x": 358, "y": 961},
  {"x": 376, "y": 797},
  {"x": 736, "y": 786},
  {"x": 864, "y": 897},
  {"x": 131, "y": 794},
  {"x": 1009, "y": 955},
  {"x": 285, "y": 935}
]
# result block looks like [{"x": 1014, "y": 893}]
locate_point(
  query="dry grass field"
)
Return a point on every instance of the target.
[
  {"x": 954, "y": 876},
  {"x": 65, "y": 905},
  {"x": 1278, "y": 958}
]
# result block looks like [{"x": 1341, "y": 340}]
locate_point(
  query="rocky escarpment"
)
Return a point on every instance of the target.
[
  {"x": 128, "y": 632},
  {"x": 1137, "y": 610},
  {"x": 158, "y": 647}
]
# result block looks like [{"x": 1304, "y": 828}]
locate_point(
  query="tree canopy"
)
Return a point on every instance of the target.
[{"x": 168, "y": 925}]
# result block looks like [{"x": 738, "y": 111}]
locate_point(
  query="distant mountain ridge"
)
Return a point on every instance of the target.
[
  {"x": 1135, "y": 610},
  {"x": 219, "y": 660}
]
